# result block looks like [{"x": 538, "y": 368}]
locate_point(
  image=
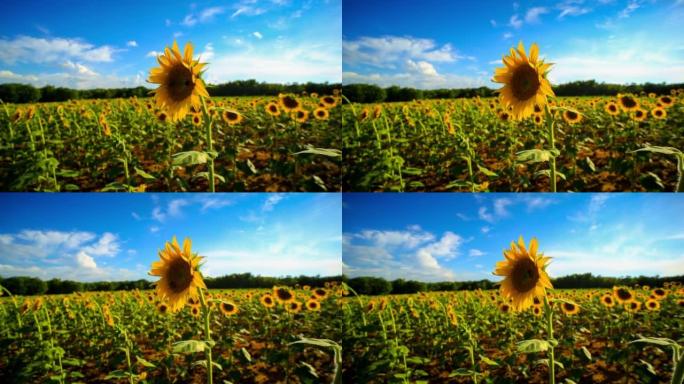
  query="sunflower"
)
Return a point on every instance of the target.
[
  {"x": 666, "y": 101},
  {"x": 16, "y": 116},
  {"x": 162, "y": 116},
  {"x": 659, "y": 113},
  {"x": 505, "y": 308},
  {"x": 537, "y": 302},
  {"x": 106, "y": 130},
  {"x": 321, "y": 114},
  {"x": 623, "y": 295},
  {"x": 639, "y": 114},
  {"x": 289, "y": 103},
  {"x": 320, "y": 293},
  {"x": 504, "y": 116},
  {"x": 538, "y": 119},
  {"x": 328, "y": 101},
  {"x": 293, "y": 306},
  {"x": 607, "y": 300},
  {"x": 525, "y": 274},
  {"x": 196, "y": 119},
  {"x": 267, "y": 300},
  {"x": 180, "y": 84},
  {"x": 232, "y": 117},
  {"x": 194, "y": 311},
  {"x": 537, "y": 310},
  {"x": 652, "y": 305},
  {"x": 569, "y": 308},
  {"x": 283, "y": 294},
  {"x": 680, "y": 303},
  {"x": 364, "y": 114},
  {"x": 313, "y": 305},
  {"x": 272, "y": 109},
  {"x": 179, "y": 274},
  {"x": 525, "y": 81},
  {"x": 571, "y": 117},
  {"x": 228, "y": 308},
  {"x": 162, "y": 308},
  {"x": 628, "y": 102},
  {"x": 194, "y": 301},
  {"x": 633, "y": 306},
  {"x": 611, "y": 108},
  {"x": 659, "y": 293},
  {"x": 301, "y": 115}
]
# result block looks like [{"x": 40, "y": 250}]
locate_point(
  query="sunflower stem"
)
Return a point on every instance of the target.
[
  {"x": 552, "y": 143},
  {"x": 549, "y": 330},
  {"x": 680, "y": 172},
  {"x": 210, "y": 143},
  {"x": 207, "y": 332}
]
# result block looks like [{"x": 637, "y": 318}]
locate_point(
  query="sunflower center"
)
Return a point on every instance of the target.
[
  {"x": 179, "y": 275},
  {"x": 284, "y": 294},
  {"x": 232, "y": 116},
  {"x": 628, "y": 102},
  {"x": 180, "y": 83},
  {"x": 525, "y": 82},
  {"x": 623, "y": 294},
  {"x": 569, "y": 307},
  {"x": 525, "y": 275},
  {"x": 290, "y": 102},
  {"x": 571, "y": 115}
]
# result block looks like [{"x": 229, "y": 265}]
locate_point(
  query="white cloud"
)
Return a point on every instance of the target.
[
  {"x": 153, "y": 54},
  {"x": 258, "y": 35},
  {"x": 476, "y": 253},
  {"x": 209, "y": 13},
  {"x": 85, "y": 261},
  {"x": 132, "y": 43},
  {"x": 27, "y": 49},
  {"x": 632, "y": 6},
  {"x": 417, "y": 80},
  {"x": 515, "y": 21},
  {"x": 85, "y": 79},
  {"x": 136, "y": 216},
  {"x": 421, "y": 67},
  {"x": 485, "y": 215},
  {"x": 271, "y": 201},
  {"x": 78, "y": 68},
  {"x": 507, "y": 35},
  {"x": 107, "y": 245},
  {"x": 189, "y": 20},
  {"x": 571, "y": 8},
  {"x": 208, "y": 53},
  {"x": 493, "y": 23},
  {"x": 154, "y": 229},
  {"x": 532, "y": 15},
  {"x": 485, "y": 229},
  {"x": 387, "y": 51}
]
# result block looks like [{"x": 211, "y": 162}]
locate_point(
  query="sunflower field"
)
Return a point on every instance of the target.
[
  {"x": 284, "y": 335},
  {"x": 279, "y": 143},
  {"x": 625, "y": 334},
  {"x": 607, "y": 143}
]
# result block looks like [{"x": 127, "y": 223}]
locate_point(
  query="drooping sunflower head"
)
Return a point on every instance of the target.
[
  {"x": 525, "y": 82},
  {"x": 180, "y": 82},
  {"x": 569, "y": 308},
  {"x": 571, "y": 117},
  {"x": 524, "y": 274},
  {"x": 313, "y": 305},
  {"x": 612, "y": 108},
  {"x": 228, "y": 308},
  {"x": 659, "y": 113},
  {"x": 179, "y": 274}
]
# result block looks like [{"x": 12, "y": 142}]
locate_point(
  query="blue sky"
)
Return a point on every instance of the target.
[
  {"x": 458, "y": 236},
  {"x": 456, "y": 44},
  {"x": 86, "y": 44},
  {"x": 91, "y": 237}
]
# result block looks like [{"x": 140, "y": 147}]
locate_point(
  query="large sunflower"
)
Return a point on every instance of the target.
[
  {"x": 180, "y": 277},
  {"x": 524, "y": 79},
  {"x": 180, "y": 83},
  {"x": 525, "y": 274}
]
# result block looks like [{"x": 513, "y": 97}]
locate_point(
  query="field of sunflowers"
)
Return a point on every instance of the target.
[
  {"x": 476, "y": 336},
  {"x": 279, "y": 143},
  {"x": 259, "y": 336},
  {"x": 604, "y": 144}
]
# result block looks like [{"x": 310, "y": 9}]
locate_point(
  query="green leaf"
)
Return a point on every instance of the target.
[
  {"x": 656, "y": 340},
  {"x": 412, "y": 171},
  {"x": 321, "y": 151},
  {"x": 144, "y": 362},
  {"x": 189, "y": 346},
  {"x": 118, "y": 374},
  {"x": 534, "y": 345},
  {"x": 649, "y": 367},
  {"x": 246, "y": 355},
  {"x": 586, "y": 352},
  {"x": 536, "y": 155},
  {"x": 486, "y": 171},
  {"x": 488, "y": 361},
  {"x": 185, "y": 159},
  {"x": 663, "y": 150},
  {"x": 590, "y": 164},
  {"x": 547, "y": 173},
  {"x": 144, "y": 174},
  {"x": 251, "y": 166},
  {"x": 71, "y": 187}
]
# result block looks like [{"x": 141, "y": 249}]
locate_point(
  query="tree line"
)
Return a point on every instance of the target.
[
  {"x": 368, "y": 93},
  {"x": 25, "y": 93},
  {"x": 367, "y": 285},
  {"x": 23, "y": 285}
]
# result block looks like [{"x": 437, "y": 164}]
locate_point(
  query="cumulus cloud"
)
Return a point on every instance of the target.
[
  {"x": 258, "y": 35},
  {"x": 387, "y": 51},
  {"x": 532, "y": 15},
  {"x": 27, "y": 49},
  {"x": 132, "y": 43}
]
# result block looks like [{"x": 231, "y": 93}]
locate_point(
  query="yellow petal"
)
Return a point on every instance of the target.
[
  {"x": 188, "y": 52},
  {"x": 521, "y": 51},
  {"x": 187, "y": 246},
  {"x": 533, "y": 247},
  {"x": 534, "y": 52}
]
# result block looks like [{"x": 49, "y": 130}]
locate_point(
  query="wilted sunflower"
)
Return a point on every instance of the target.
[
  {"x": 628, "y": 102},
  {"x": 228, "y": 308},
  {"x": 571, "y": 117},
  {"x": 180, "y": 277},
  {"x": 623, "y": 295},
  {"x": 313, "y": 305},
  {"x": 232, "y": 117},
  {"x": 659, "y": 113},
  {"x": 272, "y": 109},
  {"x": 525, "y": 274},
  {"x": 666, "y": 101},
  {"x": 639, "y": 114},
  {"x": 611, "y": 108},
  {"x": 289, "y": 103},
  {"x": 525, "y": 81},
  {"x": 569, "y": 308},
  {"x": 283, "y": 294},
  {"x": 652, "y": 305},
  {"x": 607, "y": 300},
  {"x": 267, "y": 300},
  {"x": 321, "y": 114},
  {"x": 180, "y": 81}
]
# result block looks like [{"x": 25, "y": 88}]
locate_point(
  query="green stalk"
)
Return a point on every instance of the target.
[
  {"x": 680, "y": 172},
  {"x": 207, "y": 332},
  {"x": 549, "y": 330},
  {"x": 210, "y": 143},
  {"x": 552, "y": 143}
]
